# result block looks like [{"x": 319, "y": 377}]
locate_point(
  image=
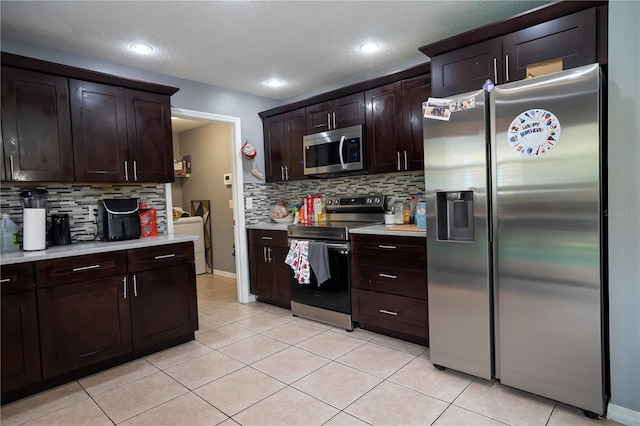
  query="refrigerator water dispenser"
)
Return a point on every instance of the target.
[{"x": 455, "y": 216}]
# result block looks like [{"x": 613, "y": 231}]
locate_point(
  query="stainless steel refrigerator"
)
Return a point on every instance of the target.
[{"x": 515, "y": 235}]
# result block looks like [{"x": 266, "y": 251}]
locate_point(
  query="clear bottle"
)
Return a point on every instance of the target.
[
  {"x": 406, "y": 211},
  {"x": 9, "y": 235},
  {"x": 399, "y": 213}
]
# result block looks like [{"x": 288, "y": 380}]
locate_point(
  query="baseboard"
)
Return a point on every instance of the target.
[
  {"x": 623, "y": 415},
  {"x": 224, "y": 273}
]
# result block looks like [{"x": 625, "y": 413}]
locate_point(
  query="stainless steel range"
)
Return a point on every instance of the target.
[{"x": 330, "y": 302}]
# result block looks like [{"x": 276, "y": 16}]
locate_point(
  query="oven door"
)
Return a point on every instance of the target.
[
  {"x": 333, "y": 294},
  {"x": 334, "y": 151}
]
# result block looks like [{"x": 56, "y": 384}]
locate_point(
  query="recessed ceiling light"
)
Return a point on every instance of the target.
[
  {"x": 141, "y": 48},
  {"x": 274, "y": 82},
  {"x": 369, "y": 47}
]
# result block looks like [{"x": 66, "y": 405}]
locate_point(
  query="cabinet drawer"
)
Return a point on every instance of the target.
[
  {"x": 399, "y": 313},
  {"x": 159, "y": 256},
  {"x": 17, "y": 277},
  {"x": 395, "y": 247},
  {"x": 80, "y": 268},
  {"x": 401, "y": 277},
  {"x": 268, "y": 238}
]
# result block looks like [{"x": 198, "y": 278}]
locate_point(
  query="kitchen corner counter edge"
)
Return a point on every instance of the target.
[
  {"x": 407, "y": 231},
  {"x": 268, "y": 226},
  {"x": 93, "y": 247}
]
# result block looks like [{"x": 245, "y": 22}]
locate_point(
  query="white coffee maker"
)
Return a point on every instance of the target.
[{"x": 34, "y": 219}]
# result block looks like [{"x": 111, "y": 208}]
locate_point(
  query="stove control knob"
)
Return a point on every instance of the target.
[{"x": 377, "y": 200}]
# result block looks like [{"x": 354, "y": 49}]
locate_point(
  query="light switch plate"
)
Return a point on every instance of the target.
[
  {"x": 249, "y": 203},
  {"x": 230, "y": 204}
]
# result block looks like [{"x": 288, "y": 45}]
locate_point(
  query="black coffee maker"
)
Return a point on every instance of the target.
[{"x": 60, "y": 229}]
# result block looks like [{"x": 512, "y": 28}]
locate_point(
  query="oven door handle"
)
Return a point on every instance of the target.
[{"x": 337, "y": 246}]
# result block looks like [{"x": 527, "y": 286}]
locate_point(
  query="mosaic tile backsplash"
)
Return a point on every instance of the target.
[
  {"x": 76, "y": 199},
  {"x": 266, "y": 194}
]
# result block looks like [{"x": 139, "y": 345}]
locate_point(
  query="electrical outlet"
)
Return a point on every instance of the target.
[
  {"x": 249, "y": 203},
  {"x": 93, "y": 213}
]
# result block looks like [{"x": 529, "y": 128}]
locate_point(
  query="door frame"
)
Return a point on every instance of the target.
[{"x": 239, "y": 229}]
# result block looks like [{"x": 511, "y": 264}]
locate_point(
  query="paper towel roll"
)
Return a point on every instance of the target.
[{"x": 34, "y": 233}]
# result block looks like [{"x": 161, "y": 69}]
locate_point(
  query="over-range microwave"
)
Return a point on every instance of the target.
[{"x": 334, "y": 152}]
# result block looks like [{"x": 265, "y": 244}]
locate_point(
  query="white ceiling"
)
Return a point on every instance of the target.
[{"x": 240, "y": 44}]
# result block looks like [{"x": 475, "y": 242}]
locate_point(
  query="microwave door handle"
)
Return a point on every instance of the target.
[{"x": 344, "y": 166}]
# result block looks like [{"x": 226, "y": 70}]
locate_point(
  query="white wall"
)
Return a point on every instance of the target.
[{"x": 624, "y": 205}]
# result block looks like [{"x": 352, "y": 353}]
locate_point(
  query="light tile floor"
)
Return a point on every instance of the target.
[{"x": 256, "y": 364}]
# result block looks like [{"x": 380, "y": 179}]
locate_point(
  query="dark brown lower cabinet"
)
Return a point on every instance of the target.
[
  {"x": 20, "y": 342},
  {"x": 270, "y": 276},
  {"x": 163, "y": 304},
  {"x": 69, "y": 317},
  {"x": 83, "y": 323},
  {"x": 389, "y": 293}
]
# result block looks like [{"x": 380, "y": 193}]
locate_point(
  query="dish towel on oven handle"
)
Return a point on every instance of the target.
[
  {"x": 319, "y": 260},
  {"x": 306, "y": 256},
  {"x": 298, "y": 260}
]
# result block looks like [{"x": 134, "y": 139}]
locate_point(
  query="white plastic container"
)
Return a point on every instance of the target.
[
  {"x": 34, "y": 231},
  {"x": 9, "y": 235}
]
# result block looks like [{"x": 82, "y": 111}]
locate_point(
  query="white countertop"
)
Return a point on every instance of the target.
[
  {"x": 92, "y": 247},
  {"x": 381, "y": 230}
]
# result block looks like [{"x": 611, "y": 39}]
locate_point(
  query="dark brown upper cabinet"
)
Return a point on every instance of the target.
[
  {"x": 149, "y": 136},
  {"x": 36, "y": 127},
  {"x": 283, "y": 135},
  {"x": 394, "y": 125},
  {"x": 415, "y": 91},
  {"x": 384, "y": 128},
  {"x": 62, "y": 123},
  {"x": 336, "y": 113},
  {"x": 120, "y": 135},
  {"x": 99, "y": 131},
  {"x": 572, "y": 38}
]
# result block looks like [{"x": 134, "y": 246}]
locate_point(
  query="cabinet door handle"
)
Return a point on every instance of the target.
[
  {"x": 126, "y": 170},
  {"x": 406, "y": 162},
  {"x": 11, "y": 165},
  {"x": 264, "y": 254},
  {"x": 384, "y": 311},
  {"x": 85, "y": 268},
  {"x": 269, "y": 253},
  {"x": 286, "y": 169},
  {"x": 281, "y": 172},
  {"x": 165, "y": 256},
  {"x": 388, "y": 276},
  {"x": 329, "y": 120},
  {"x": 5, "y": 280},
  {"x": 334, "y": 119},
  {"x": 386, "y": 247},
  {"x": 135, "y": 170},
  {"x": 398, "y": 152},
  {"x": 267, "y": 238},
  {"x": 506, "y": 68},
  {"x": 135, "y": 286},
  {"x": 124, "y": 287}
]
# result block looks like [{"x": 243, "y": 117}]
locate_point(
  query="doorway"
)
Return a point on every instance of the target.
[{"x": 239, "y": 230}]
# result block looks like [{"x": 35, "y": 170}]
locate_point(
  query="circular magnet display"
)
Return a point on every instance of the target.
[{"x": 534, "y": 132}]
